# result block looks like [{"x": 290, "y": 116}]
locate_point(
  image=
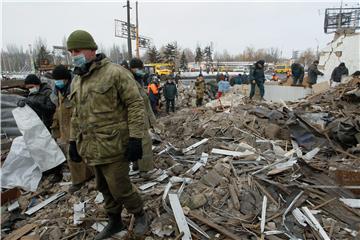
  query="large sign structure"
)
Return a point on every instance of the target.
[
  {"x": 341, "y": 19},
  {"x": 121, "y": 30}
]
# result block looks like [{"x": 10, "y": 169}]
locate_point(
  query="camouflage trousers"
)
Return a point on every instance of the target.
[{"x": 113, "y": 181}]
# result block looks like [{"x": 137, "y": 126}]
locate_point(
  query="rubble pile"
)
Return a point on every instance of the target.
[{"x": 231, "y": 170}]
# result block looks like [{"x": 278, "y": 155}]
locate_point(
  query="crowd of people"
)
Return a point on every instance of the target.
[{"x": 101, "y": 112}]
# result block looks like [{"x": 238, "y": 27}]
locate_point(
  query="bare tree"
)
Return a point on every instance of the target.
[
  {"x": 115, "y": 54},
  {"x": 248, "y": 54},
  {"x": 102, "y": 49},
  {"x": 226, "y": 56},
  {"x": 124, "y": 51},
  {"x": 307, "y": 57},
  {"x": 189, "y": 54},
  {"x": 14, "y": 59},
  {"x": 273, "y": 55},
  {"x": 37, "y": 45}
]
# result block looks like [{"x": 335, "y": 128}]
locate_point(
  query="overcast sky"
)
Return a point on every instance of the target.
[{"x": 233, "y": 25}]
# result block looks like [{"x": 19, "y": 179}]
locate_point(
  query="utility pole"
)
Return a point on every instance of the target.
[
  {"x": 129, "y": 30},
  {"x": 137, "y": 32},
  {"x": 32, "y": 64},
  {"x": 340, "y": 15}
]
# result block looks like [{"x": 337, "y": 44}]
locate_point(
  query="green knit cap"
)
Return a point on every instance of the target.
[{"x": 81, "y": 39}]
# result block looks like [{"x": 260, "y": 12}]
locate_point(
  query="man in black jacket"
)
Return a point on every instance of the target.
[
  {"x": 257, "y": 77},
  {"x": 39, "y": 99},
  {"x": 313, "y": 73},
  {"x": 170, "y": 92},
  {"x": 137, "y": 68},
  {"x": 297, "y": 72},
  {"x": 338, "y": 73}
]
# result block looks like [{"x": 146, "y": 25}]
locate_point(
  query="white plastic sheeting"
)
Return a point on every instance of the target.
[
  {"x": 19, "y": 169},
  {"x": 43, "y": 148},
  {"x": 31, "y": 154}
]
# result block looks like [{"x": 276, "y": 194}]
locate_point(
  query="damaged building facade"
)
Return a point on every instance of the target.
[{"x": 345, "y": 46}]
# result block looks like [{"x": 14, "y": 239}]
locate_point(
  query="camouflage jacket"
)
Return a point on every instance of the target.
[
  {"x": 62, "y": 117},
  {"x": 200, "y": 88},
  {"x": 108, "y": 109},
  {"x": 150, "y": 119}
]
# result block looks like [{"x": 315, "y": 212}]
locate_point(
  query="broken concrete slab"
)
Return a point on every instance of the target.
[
  {"x": 211, "y": 179},
  {"x": 320, "y": 87},
  {"x": 196, "y": 201}
]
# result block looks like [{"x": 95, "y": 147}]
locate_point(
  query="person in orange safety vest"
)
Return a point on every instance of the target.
[{"x": 153, "y": 92}]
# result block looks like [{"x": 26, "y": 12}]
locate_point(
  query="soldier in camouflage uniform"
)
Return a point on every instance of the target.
[
  {"x": 146, "y": 164},
  {"x": 107, "y": 128},
  {"x": 61, "y": 125},
  {"x": 200, "y": 89}
]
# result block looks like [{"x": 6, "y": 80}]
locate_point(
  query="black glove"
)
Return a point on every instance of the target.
[
  {"x": 134, "y": 150},
  {"x": 73, "y": 153},
  {"x": 21, "y": 103}
]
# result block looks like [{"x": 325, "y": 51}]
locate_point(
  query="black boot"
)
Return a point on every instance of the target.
[
  {"x": 75, "y": 187},
  {"x": 114, "y": 225},
  {"x": 141, "y": 224}
]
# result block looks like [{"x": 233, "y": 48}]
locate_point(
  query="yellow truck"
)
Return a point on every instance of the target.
[
  {"x": 160, "y": 69},
  {"x": 282, "y": 68}
]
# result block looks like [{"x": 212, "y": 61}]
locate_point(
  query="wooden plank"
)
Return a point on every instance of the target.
[
  {"x": 202, "y": 162},
  {"x": 147, "y": 185},
  {"x": 232, "y": 153},
  {"x": 18, "y": 233},
  {"x": 263, "y": 215},
  {"x": 151, "y": 184},
  {"x": 179, "y": 216},
  {"x": 300, "y": 217},
  {"x": 324, "y": 203},
  {"x": 44, "y": 203},
  {"x": 268, "y": 166},
  {"x": 195, "y": 145},
  {"x": 351, "y": 202},
  {"x": 31, "y": 237},
  {"x": 318, "y": 228},
  {"x": 214, "y": 226},
  {"x": 310, "y": 155},
  {"x": 234, "y": 197}
]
